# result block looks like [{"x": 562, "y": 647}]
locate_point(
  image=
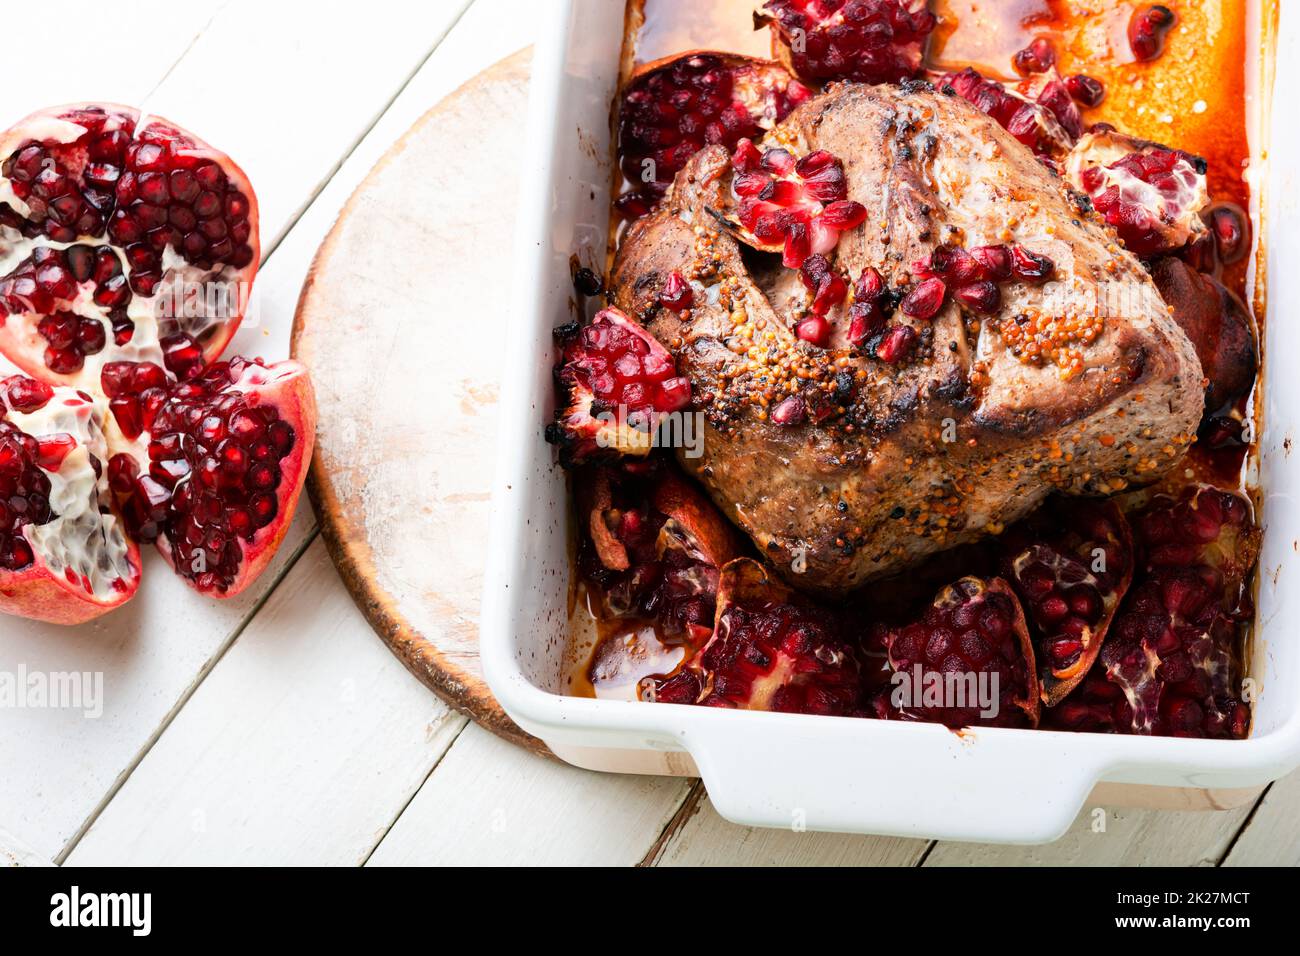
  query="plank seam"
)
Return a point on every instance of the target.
[
  {"x": 1245, "y": 824},
  {"x": 464, "y": 724},
  {"x": 689, "y": 806},
  {"x": 184, "y": 699}
]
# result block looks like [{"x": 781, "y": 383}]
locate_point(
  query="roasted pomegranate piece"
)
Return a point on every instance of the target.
[
  {"x": 866, "y": 41},
  {"x": 1070, "y": 564},
  {"x": 63, "y": 555},
  {"x": 1046, "y": 120},
  {"x": 653, "y": 547},
  {"x": 797, "y": 207},
  {"x": 674, "y": 107},
  {"x": 620, "y": 383},
  {"x": 132, "y": 241},
  {"x": 1170, "y": 653},
  {"x": 217, "y": 466},
  {"x": 1151, "y": 194},
  {"x": 769, "y": 651},
  {"x": 1218, "y": 324},
  {"x": 966, "y": 661}
]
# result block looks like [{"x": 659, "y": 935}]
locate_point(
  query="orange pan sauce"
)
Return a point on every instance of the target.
[{"x": 1199, "y": 95}]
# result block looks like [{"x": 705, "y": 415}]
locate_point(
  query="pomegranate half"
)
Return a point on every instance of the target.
[{"x": 122, "y": 238}]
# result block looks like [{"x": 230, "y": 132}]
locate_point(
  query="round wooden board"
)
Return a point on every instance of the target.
[{"x": 417, "y": 263}]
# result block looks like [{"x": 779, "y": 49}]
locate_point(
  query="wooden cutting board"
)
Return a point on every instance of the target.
[{"x": 416, "y": 271}]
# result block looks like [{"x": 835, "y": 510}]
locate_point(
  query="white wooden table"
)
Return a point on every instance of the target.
[{"x": 277, "y": 728}]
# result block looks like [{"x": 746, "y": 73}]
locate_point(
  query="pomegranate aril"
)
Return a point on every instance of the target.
[
  {"x": 982, "y": 298},
  {"x": 677, "y": 294},
  {"x": 1147, "y": 29},
  {"x": 1038, "y": 57},
  {"x": 925, "y": 300},
  {"x": 1029, "y": 266},
  {"x": 896, "y": 344},
  {"x": 815, "y": 330},
  {"x": 1087, "y": 90}
]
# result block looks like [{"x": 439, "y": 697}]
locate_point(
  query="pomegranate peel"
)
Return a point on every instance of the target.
[
  {"x": 1070, "y": 564},
  {"x": 64, "y": 557},
  {"x": 653, "y": 548}
]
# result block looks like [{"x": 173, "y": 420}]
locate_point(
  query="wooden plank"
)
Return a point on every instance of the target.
[
  {"x": 706, "y": 839},
  {"x": 1108, "y": 836},
  {"x": 117, "y": 57},
  {"x": 14, "y": 852},
  {"x": 489, "y": 803},
  {"x": 1271, "y": 836},
  {"x": 289, "y": 136},
  {"x": 298, "y": 749}
]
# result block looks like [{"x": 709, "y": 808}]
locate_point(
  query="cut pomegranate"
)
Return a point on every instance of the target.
[
  {"x": 217, "y": 466},
  {"x": 133, "y": 241},
  {"x": 672, "y": 108},
  {"x": 767, "y": 652},
  {"x": 1151, "y": 194},
  {"x": 1147, "y": 30},
  {"x": 1046, "y": 121},
  {"x": 797, "y": 207},
  {"x": 967, "y": 661},
  {"x": 866, "y": 41},
  {"x": 653, "y": 549},
  {"x": 1070, "y": 564},
  {"x": 1219, "y": 325},
  {"x": 620, "y": 382},
  {"x": 1168, "y": 666},
  {"x": 63, "y": 555}
]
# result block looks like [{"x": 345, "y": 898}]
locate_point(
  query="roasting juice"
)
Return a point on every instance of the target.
[{"x": 1199, "y": 96}]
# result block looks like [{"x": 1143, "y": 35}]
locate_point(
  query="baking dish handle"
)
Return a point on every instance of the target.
[{"x": 916, "y": 780}]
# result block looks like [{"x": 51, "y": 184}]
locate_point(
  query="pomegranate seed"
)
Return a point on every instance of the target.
[
  {"x": 994, "y": 262},
  {"x": 896, "y": 344},
  {"x": 828, "y": 287},
  {"x": 815, "y": 330},
  {"x": 677, "y": 293},
  {"x": 869, "y": 286},
  {"x": 1147, "y": 29},
  {"x": 26, "y": 394},
  {"x": 1029, "y": 266},
  {"x": 1038, "y": 57},
  {"x": 925, "y": 300},
  {"x": 865, "y": 318},
  {"x": 954, "y": 264},
  {"x": 790, "y": 411},
  {"x": 1085, "y": 89},
  {"x": 1231, "y": 232},
  {"x": 982, "y": 298}
]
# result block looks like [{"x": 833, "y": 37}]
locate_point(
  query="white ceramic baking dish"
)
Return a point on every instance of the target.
[{"x": 834, "y": 773}]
